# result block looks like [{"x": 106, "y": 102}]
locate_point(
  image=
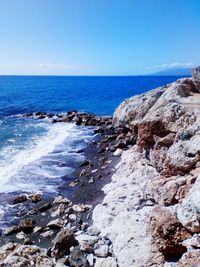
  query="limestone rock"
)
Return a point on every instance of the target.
[
  {"x": 167, "y": 232},
  {"x": 56, "y": 224},
  {"x": 189, "y": 259},
  {"x": 18, "y": 255},
  {"x": 19, "y": 199},
  {"x": 102, "y": 251},
  {"x": 62, "y": 243},
  {"x": 135, "y": 108},
  {"x": 188, "y": 212},
  {"x": 11, "y": 230},
  {"x": 35, "y": 197},
  {"x": 107, "y": 262},
  {"x": 118, "y": 152}
]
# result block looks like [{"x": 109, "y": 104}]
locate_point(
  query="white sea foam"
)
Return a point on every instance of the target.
[{"x": 26, "y": 169}]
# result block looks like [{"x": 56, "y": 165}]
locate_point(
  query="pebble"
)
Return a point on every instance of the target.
[
  {"x": 91, "y": 181},
  {"x": 37, "y": 229},
  {"x": 90, "y": 259},
  {"x": 56, "y": 224},
  {"x": 118, "y": 152},
  {"x": 61, "y": 200},
  {"x": 11, "y": 230},
  {"x": 20, "y": 235},
  {"x": 102, "y": 251},
  {"x": 48, "y": 233},
  {"x": 72, "y": 217},
  {"x": 93, "y": 230}
]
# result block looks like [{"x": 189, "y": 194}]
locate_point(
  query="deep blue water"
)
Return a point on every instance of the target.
[
  {"x": 100, "y": 95},
  {"x": 36, "y": 155}
]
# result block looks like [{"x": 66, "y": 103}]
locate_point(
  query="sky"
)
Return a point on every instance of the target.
[{"x": 98, "y": 37}]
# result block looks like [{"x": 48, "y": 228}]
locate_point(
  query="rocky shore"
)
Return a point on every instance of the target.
[
  {"x": 136, "y": 198},
  {"x": 58, "y": 231},
  {"x": 151, "y": 211}
]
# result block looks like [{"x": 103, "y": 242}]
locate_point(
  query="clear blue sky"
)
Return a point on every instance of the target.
[{"x": 98, "y": 37}]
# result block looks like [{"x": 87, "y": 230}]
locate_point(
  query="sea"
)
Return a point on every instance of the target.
[{"x": 38, "y": 156}]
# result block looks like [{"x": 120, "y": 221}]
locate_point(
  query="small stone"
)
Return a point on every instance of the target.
[
  {"x": 56, "y": 224},
  {"x": 194, "y": 241},
  {"x": 45, "y": 207},
  {"x": 82, "y": 173},
  {"x": 61, "y": 200},
  {"x": 85, "y": 246},
  {"x": 27, "y": 225},
  {"x": 81, "y": 207},
  {"x": 32, "y": 212},
  {"x": 20, "y": 235},
  {"x": 93, "y": 230},
  {"x": 72, "y": 217},
  {"x": 73, "y": 184},
  {"x": 102, "y": 252},
  {"x": 88, "y": 238},
  {"x": 90, "y": 259},
  {"x": 107, "y": 262},
  {"x": 84, "y": 226},
  {"x": 35, "y": 197},
  {"x": 118, "y": 152},
  {"x": 64, "y": 240},
  {"x": 11, "y": 230},
  {"x": 48, "y": 233},
  {"x": 91, "y": 181},
  {"x": 19, "y": 199},
  {"x": 37, "y": 229},
  {"x": 58, "y": 211}
]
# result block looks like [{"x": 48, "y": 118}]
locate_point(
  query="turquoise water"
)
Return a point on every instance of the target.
[{"x": 36, "y": 155}]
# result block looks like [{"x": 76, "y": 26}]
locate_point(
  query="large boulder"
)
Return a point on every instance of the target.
[
  {"x": 188, "y": 212},
  {"x": 18, "y": 255},
  {"x": 64, "y": 240},
  {"x": 134, "y": 109},
  {"x": 196, "y": 76},
  {"x": 168, "y": 233}
]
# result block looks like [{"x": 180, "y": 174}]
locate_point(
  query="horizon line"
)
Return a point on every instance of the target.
[{"x": 57, "y": 75}]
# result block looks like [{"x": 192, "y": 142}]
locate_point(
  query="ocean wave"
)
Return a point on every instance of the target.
[{"x": 41, "y": 160}]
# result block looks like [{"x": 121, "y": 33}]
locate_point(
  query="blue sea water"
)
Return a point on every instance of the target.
[{"x": 36, "y": 155}]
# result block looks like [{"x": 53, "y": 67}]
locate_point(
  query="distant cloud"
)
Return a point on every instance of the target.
[{"x": 172, "y": 65}]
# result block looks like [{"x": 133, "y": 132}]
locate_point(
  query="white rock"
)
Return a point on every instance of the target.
[
  {"x": 72, "y": 217},
  {"x": 107, "y": 262},
  {"x": 118, "y": 152},
  {"x": 118, "y": 220},
  {"x": 58, "y": 223},
  {"x": 47, "y": 233},
  {"x": 194, "y": 241},
  {"x": 61, "y": 199},
  {"x": 20, "y": 235},
  {"x": 90, "y": 259},
  {"x": 83, "y": 237},
  {"x": 188, "y": 212},
  {"x": 93, "y": 230},
  {"x": 37, "y": 229},
  {"x": 102, "y": 252}
]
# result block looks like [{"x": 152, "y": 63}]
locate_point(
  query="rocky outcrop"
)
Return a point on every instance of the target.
[
  {"x": 13, "y": 254},
  {"x": 158, "y": 177}
]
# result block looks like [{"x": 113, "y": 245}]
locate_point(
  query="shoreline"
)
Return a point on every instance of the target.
[{"x": 90, "y": 176}]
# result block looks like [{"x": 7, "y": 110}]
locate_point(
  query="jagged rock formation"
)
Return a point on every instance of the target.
[{"x": 151, "y": 211}]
